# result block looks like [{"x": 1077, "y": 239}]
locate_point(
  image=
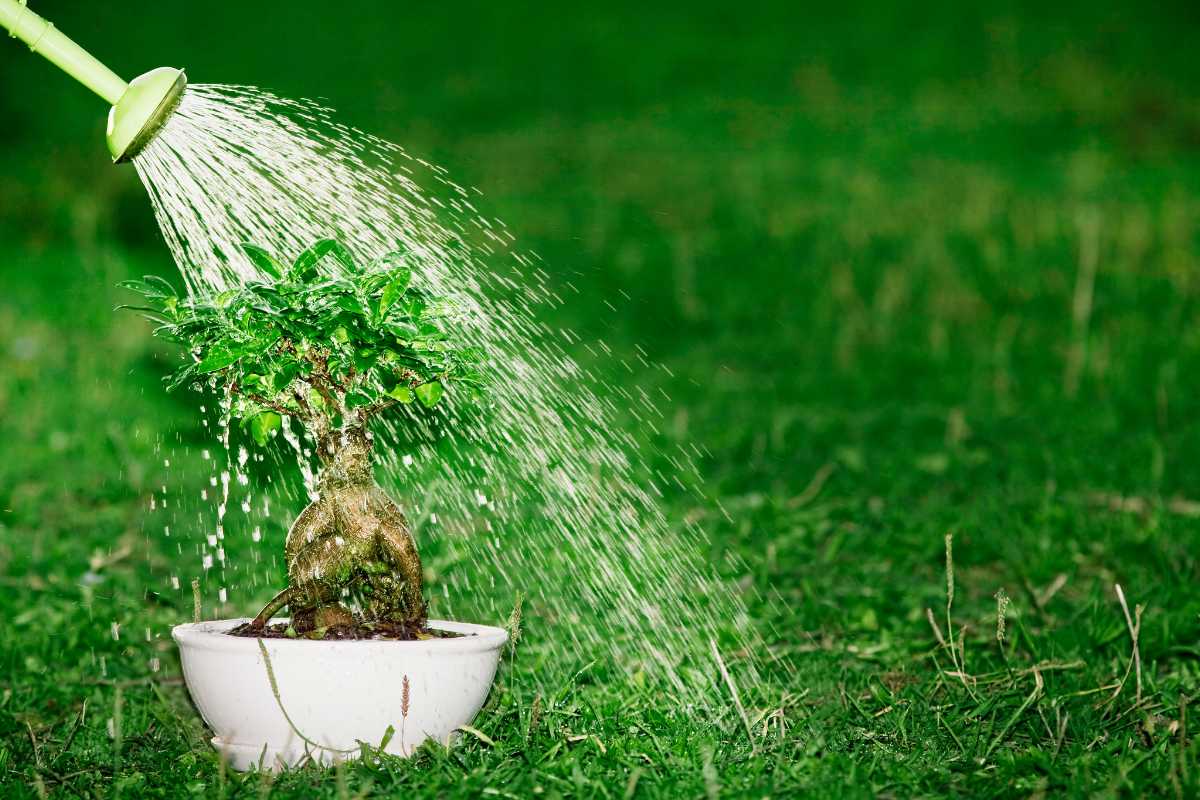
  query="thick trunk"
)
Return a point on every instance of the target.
[{"x": 353, "y": 541}]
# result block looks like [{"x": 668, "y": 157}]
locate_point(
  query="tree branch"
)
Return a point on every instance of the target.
[
  {"x": 376, "y": 408},
  {"x": 301, "y": 401},
  {"x": 278, "y": 408},
  {"x": 317, "y": 382},
  {"x": 316, "y": 421},
  {"x": 325, "y": 384}
]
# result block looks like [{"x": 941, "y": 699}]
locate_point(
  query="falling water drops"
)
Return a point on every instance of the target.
[{"x": 540, "y": 492}]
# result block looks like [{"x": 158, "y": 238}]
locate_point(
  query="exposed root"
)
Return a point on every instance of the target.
[
  {"x": 269, "y": 610},
  {"x": 352, "y": 542}
]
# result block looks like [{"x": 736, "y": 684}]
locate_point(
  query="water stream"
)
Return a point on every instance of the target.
[{"x": 540, "y": 492}]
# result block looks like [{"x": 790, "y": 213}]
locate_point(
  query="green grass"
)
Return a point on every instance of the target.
[{"x": 862, "y": 251}]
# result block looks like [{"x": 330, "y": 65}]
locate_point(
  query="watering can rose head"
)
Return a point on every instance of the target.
[{"x": 331, "y": 346}]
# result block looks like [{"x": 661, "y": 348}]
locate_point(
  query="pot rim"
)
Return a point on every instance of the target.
[{"x": 212, "y": 635}]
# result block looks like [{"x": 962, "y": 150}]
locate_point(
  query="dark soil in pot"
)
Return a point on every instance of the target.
[{"x": 359, "y": 631}]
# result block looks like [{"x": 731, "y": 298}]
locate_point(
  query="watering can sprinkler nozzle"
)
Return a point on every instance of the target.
[
  {"x": 142, "y": 110},
  {"x": 139, "y": 108}
]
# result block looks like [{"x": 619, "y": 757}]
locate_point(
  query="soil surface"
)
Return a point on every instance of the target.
[{"x": 374, "y": 631}]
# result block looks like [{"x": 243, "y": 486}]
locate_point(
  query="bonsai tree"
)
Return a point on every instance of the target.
[{"x": 331, "y": 346}]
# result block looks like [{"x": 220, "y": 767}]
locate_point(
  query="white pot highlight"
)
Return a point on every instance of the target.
[{"x": 330, "y": 697}]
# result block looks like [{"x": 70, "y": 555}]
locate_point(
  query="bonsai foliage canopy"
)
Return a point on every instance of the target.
[
  {"x": 320, "y": 340},
  {"x": 330, "y": 345}
]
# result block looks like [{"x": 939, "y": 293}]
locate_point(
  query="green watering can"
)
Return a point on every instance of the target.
[{"x": 139, "y": 108}]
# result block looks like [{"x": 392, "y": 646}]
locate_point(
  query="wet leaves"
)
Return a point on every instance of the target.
[
  {"x": 394, "y": 290},
  {"x": 263, "y": 260},
  {"x": 429, "y": 393},
  {"x": 322, "y": 340},
  {"x": 263, "y": 425}
]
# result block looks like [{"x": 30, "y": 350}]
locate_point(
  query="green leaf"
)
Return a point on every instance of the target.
[
  {"x": 369, "y": 283},
  {"x": 365, "y": 359},
  {"x": 357, "y": 400},
  {"x": 478, "y": 734},
  {"x": 263, "y": 424},
  {"x": 164, "y": 286},
  {"x": 262, "y": 259},
  {"x": 416, "y": 306},
  {"x": 152, "y": 287},
  {"x": 430, "y": 393},
  {"x": 402, "y": 392},
  {"x": 152, "y": 314},
  {"x": 387, "y": 737},
  {"x": 351, "y": 304},
  {"x": 394, "y": 290},
  {"x": 258, "y": 383},
  {"x": 342, "y": 254},
  {"x": 180, "y": 377},
  {"x": 305, "y": 263},
  {"x": 403, "y": 330},
  {"x": 286, "y": 373},
  {"x": 217, "y": 358},
  {"x": 387, "y": 261}
]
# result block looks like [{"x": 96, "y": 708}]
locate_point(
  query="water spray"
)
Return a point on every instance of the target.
[
  {"x": 539, "y": 491},
  {"x": 139, "y": 108}
]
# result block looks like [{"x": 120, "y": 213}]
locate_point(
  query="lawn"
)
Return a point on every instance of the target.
[{"x": 913, "y": 275}]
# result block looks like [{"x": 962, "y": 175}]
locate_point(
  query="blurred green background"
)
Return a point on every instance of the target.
[{"x": 915, "y": 269}]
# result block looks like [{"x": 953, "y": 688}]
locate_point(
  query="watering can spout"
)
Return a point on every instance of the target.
[
  {"x": 139, "y": 108},
  {"x": 142, "y": 110}
]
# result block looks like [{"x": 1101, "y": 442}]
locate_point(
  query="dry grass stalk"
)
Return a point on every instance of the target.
[
  {"x": 937, "y": 632},
  {"x": 1039, "y": 687},
  {"x": 949, "y": 574},
  {"x": 405, "y": 696},
  {"x": 535, "y": 712},
  {"x": 274, "y": 683},
  {"x": 737, "y": 700},
  {"x": 1002, "y": 602},
  {"x": 814, "y": 486},
  {"x": 514, "y": 623},
  {"x": 1043, "y": 597},
  {"x": 957, "y": 649},
  {"x": 1134, "y": 624}
]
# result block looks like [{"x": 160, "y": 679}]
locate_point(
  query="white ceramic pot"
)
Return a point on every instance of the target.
[{"x": 330, "y": 697}]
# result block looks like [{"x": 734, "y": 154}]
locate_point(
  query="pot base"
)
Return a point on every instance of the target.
[
  {"x": 278, "y": 703},
  {"x": 246, "y": 757}
]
